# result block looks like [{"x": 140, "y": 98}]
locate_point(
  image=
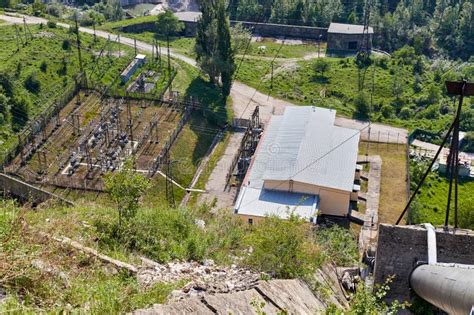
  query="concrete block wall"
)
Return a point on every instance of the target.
[
  {"x": 25, "y": 191},
  {"x": 401, "y": 247},
  {"x": 262, "y": 29}
]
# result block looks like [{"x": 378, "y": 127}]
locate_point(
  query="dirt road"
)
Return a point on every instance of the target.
[{"x": 244, "y": 97}]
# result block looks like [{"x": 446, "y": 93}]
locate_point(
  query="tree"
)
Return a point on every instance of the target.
[
  {"x": 467, "y": 143},
  {"x": 66, "y": 44},
  {"x": 320, "y": 66},
  {"x": 213, "y": 46},
  {"x": 241, "y": 38},
  {"x": 125, "y": 188},
  {"x": 224, "y": 48},
  {"x": 167, "y": 24},
  {"x": 283, "y": 248},
  {"x": 32, "y": 83},
  {"x": 387, "y": 111},
  {"x": 361, "y": 103},
  {"x": 20, "y": 112},
  {"x": 4, "y": 108}
]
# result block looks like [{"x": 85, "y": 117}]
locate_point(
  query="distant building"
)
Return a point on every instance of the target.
[
  {"x": 132, "y": 67},
  {"x": 303, "y": 164},
  {"x": 465, "y": 168},
  {"x": 125, "y": 3},
  {"x": 347, "y": 37}
]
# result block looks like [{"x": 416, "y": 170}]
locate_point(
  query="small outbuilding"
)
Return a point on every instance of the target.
[
  {"x": 132, "y": 67},
  {"x": 346, "y": 38}
]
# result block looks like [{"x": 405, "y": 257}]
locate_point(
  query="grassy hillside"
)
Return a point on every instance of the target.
[
  {"x": 43, "y": 69},
  {"x": 41, "y": 275},
  {"x": 431, "y": 202},
  {"x": 402, "y": 95}
]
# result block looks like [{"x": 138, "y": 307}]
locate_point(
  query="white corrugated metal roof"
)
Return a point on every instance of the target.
[
  {"x": 306, "y": 147},
  {"x": 262, "y": 202},
  {"x": 303, "y": 145},
  {"x": 339, "y": 28}
]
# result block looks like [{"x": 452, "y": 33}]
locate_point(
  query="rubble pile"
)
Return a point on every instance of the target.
[{"x": 205, "y": 277}]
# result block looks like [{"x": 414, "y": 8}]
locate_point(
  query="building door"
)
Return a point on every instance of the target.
[{"x": 352, "y": 45}]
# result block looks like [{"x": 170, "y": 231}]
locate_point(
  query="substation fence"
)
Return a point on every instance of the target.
[
  {"x": 241, "y": 160},
  {"x": 34, "y": 132},
  {"x": 188, "y": 106}
]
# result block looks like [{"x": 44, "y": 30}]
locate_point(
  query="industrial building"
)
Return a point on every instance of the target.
[
  {"x": 344, "y": 38},
  {"x": 303, "y": 164},
  {"x": 132, "y": 67}
]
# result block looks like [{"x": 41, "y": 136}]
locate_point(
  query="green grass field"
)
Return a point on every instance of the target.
[{"x": 431, "y": 202}]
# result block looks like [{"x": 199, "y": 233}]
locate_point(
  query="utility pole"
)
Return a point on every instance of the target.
[
  {"x": 135, "y": 45},
  {"x": 24, "y": 26},
  {"x": 319, "y": 45},
  {"x": 118, "y": 39},
  {"x": 78, "y": 40},
  {"x": 95, "y": 36},
  {"x": 153, "y": 50},
  {"x": 169, "y": 183},
  {"x": 461, "y": 89},
  {"x": 17, "y": 38}
]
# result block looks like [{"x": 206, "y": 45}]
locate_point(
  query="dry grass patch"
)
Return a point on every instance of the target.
[{"x": 393, "y": 188}]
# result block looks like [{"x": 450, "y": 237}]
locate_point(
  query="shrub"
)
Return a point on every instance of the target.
[
  {"x": 43, "y": 66},
  {"x": 338, "y": 244},
  {"x": 387, "y": 111},
  {"x": 361, "y": 103},
  {"x": 405, "y": 113},
  {"x": 283, "y": 248},
  {"x": 51, "y": 24},
  {"x": 66, "y": 44},
  {"x": 320, "y": 66},
  {"x": 32, "y": 83}
]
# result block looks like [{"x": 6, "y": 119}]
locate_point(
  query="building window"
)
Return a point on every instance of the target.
[
  {"x": 352, "y": 45},
  {"x": 250, "y": 221}
]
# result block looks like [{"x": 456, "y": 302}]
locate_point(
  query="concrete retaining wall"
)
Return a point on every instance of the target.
[
  {"x": 25, "y": 191},
  {"x": 261, "y": 29},
  {"x": 401, "y": 247}
]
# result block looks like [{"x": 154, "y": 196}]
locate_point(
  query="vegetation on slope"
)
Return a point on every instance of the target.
[
  {"x": 430, "y": 203},
  {"x": 77, "y": 282},
  {"x": 43, "y": 70},
  {"x": 408, "y": 89}
]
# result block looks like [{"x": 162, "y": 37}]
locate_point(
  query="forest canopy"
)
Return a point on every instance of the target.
[{"x": 430, "y": 26}]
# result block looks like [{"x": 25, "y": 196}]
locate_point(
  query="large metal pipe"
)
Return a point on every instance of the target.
[{"x": 449, "y": 287}]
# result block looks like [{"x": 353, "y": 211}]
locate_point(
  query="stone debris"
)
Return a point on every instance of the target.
[{"x": 203, "y": 277}]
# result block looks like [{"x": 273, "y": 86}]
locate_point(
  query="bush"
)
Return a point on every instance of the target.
[
  {"x": 338, "y": 244},
  {"x": 387, "y": 111},
  {"x": 283, "y": 248},
  {"x": 51, "y": 24},
  {"x": 405, "y": 113},
  {"x": 43, "y": 66},
  {"x": 320, "y": 66},
  {"x": 361, "y": 103},
  {"x": 32, "y": 83},
  {"x": 66, "y": 44}
]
